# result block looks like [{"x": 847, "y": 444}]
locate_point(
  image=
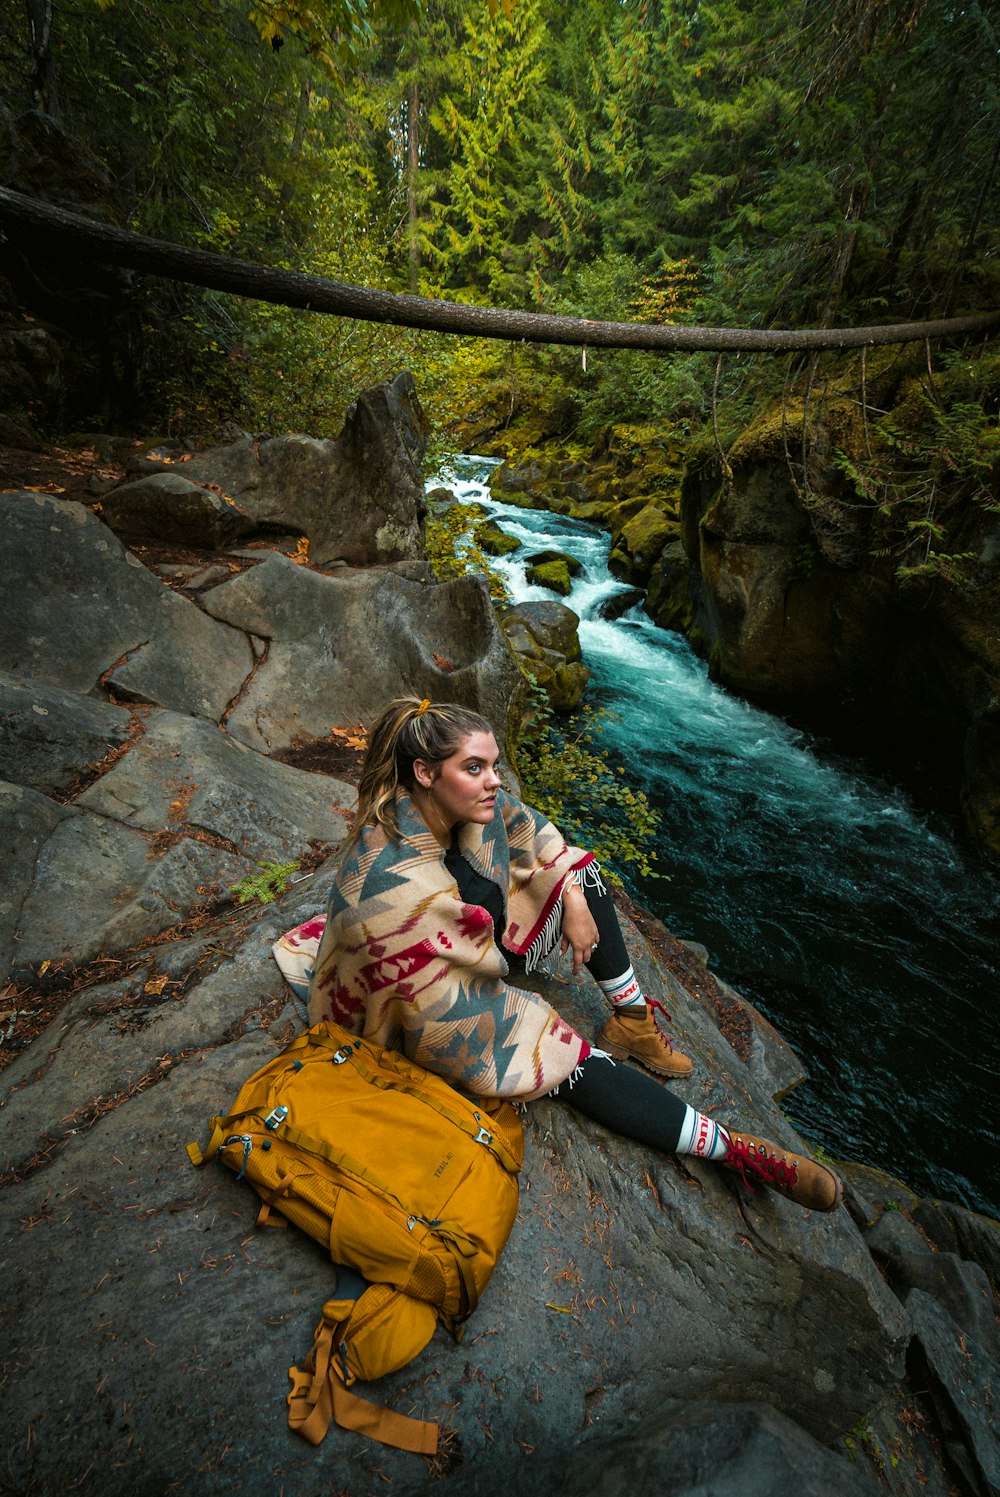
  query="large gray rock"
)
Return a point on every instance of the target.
[
  {"x": 169, "y": 507},
  {"x": 184, "y": 773},
  {"x": 340, "y": 648},
  {"x": 114, "y": 623},
  {"x": 961, "y": 1378},
  {"x": 27, "y": 821},
  {"x": 48, "y": 736},
  {"x": 633, "y": 1288},
  {"x": 180, "y": 819},
  {"x": 359, "y": 499},
  {"x": 704, "y": 1450},
  {"x": 99, "y": 888}
]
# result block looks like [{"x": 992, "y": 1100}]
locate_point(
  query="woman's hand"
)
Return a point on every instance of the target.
[{"x": 578, "y": 928}]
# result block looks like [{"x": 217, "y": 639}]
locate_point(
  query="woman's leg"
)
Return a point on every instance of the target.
[
  {"x": 637, "y": 1107},
  {"x": 632, "y": 1031}
]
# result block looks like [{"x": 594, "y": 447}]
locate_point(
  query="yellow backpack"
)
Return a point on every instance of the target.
[{"x": 403, "y": 1179}]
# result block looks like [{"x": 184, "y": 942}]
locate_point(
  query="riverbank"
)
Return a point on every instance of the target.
[{"x": 854, "y": 919}]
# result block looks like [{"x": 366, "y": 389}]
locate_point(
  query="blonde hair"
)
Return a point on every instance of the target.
[{"x": 409, "y": 728}]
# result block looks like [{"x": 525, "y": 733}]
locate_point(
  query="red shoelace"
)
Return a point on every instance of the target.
[
  {"x": 654, "y": 1004},
  {"x": 742, "y": 1156}
]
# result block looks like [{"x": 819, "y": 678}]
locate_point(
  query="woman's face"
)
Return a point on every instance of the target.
[{"x": 464, "y": 786}]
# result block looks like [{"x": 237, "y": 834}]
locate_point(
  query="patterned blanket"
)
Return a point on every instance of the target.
[{"x": 402, "y": 960}]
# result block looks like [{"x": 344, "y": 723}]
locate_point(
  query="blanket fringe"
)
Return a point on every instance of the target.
[{"x": 542, "y": 947}]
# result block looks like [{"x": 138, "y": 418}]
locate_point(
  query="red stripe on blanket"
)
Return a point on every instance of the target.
[{"x": 520, "y": 944}]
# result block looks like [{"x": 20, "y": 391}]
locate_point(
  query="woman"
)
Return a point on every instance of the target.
[{"x": 447, "y": 882}]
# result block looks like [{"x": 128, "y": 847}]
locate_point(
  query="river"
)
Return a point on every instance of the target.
[{"x": 854, "y": 920}]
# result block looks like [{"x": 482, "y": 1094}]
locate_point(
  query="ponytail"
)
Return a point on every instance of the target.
[{"x": 408, "y": 729}]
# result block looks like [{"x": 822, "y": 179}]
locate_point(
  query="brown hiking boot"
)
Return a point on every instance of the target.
[
  {"x": 802, "y": 1180},
  {"x": 632, "y": 1033}
]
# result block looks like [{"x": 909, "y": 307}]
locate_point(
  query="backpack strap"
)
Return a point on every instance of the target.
[{"x": 318, "y": 1395}]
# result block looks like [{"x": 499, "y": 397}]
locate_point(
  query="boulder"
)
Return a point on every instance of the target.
[
  {"x": 553, "y": 575},
  {"x": 340, "y": 647},
  {"x": 642, "y": 538},
  {"x": 168, "y": 507},
  {"x": 49, "y": 737},
  {"x": 178, "y": 820},
  {"x": 116, "y": 624},
  {"x": 359, "y": 499},
  {"x": 649, "y": 1315},
  {"x": 620, "y": 602},
  {"x": 552, "y": 626},
  {"x": 563, "y": 558},
  {"x": 545, "y": 637},
  {"x": 494, "y": 540}
]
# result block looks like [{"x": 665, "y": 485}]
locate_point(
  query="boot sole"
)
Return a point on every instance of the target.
[{"x": 620, "y": 1053}]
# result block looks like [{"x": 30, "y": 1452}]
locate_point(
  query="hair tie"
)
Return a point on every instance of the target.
[{"x": 423, "y": 707}]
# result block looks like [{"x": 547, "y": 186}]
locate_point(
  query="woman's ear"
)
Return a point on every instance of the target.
[{"x": 423, "y": 774}]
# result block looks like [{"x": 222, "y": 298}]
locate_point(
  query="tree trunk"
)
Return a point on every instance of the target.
[
  {"x": 44, "y": 92},
  {"x": 298, "y": 137},
  {"x": 412, "y": 168},
  {"x": 51, "y": 234}
]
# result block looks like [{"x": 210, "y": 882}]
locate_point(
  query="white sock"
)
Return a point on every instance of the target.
[
  {"x": 701, "y": 1137},
  {"x": 623, "y": 991}
]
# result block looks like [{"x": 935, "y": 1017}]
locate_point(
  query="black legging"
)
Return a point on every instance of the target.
[{"x": 618, "y": 1096}]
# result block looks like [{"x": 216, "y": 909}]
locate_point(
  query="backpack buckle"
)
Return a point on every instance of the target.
[
  {"x": 483, "y": 1137},
  {"x": 339, "y": 1056},
  {"x": 247, "y": 1142},
  {"x": 275, "y": 1116}
]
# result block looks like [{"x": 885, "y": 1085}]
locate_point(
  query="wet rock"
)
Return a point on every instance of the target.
[
  {"x": 621, "y": 602},
  {"x": 642, "y": 538},
  {"x": 545, "y": 636},
  {"x": 551, "y": 574},
  {"x": 494, "y": 540}
]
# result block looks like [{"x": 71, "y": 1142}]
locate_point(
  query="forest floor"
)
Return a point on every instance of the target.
[{"x": 71, "y": 473}]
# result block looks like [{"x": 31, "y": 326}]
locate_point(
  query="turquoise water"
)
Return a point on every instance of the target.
[{"x": 855, "y": 921}]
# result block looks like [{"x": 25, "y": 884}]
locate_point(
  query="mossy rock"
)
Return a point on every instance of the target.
[
  {"x": 644, "y": 537},
  {"x": 553, "y": 575},
  {"x": 494, "y": 540},
  {"x": 620, "y": 565},
  {"x": 540, "y": 558},
  {"x": 552, "y": 626}
]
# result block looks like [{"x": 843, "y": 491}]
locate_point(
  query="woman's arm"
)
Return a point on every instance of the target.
[{"x": 578, "y": 928}]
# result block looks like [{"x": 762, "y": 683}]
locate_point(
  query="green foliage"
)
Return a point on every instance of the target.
[
  {"x": 565, "y": 774},
  {"x": 266, "y": 885},
  {"x": 927, "y": 467},
  {"x": 453, "y": 551}
]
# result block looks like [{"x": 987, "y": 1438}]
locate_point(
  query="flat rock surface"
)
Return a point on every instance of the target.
[
  {"x": 115, "y": 622},
  {"x": 628, "y": 1279}
]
